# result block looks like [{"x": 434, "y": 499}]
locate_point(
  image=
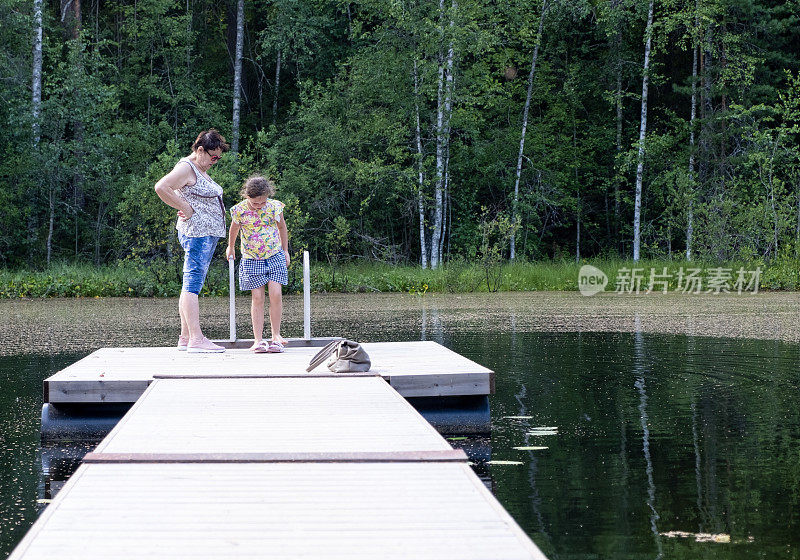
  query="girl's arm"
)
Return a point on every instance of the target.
[
  {"x": 233, "y": 233},
  {"x": 284, "y": 233}
]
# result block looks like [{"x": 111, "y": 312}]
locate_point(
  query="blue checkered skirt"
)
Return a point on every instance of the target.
[{"x": 254, "y": 273}]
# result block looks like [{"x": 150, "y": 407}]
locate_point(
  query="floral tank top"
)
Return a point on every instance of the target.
[{"x": 205, "y": 197}]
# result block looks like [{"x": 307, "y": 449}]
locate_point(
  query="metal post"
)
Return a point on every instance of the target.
[
  {"x": 306, "y": 297},
  {"x": 232, "y": 299}
]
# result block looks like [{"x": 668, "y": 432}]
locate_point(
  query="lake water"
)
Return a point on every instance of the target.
[{"x": 638, "y": 445}]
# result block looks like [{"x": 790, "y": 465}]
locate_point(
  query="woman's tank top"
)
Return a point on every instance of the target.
[{"x": 205, "y": 196}]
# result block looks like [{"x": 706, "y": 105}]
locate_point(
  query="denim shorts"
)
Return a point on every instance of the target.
[{"x": 199, "y": 251}]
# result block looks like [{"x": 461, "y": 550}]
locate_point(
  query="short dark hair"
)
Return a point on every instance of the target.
[
  {"x": 256, "y": 185},
  {"x": 210, "y": 139}
]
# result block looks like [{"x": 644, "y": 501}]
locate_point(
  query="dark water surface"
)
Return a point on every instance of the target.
[{"x": 645, "y": 446}]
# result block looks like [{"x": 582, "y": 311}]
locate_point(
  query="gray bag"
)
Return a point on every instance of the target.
[{"x": 345, "y": 356}]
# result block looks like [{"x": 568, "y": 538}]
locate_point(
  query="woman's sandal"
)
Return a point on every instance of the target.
[
  {"x": 260, "y": 349},
  {"x": 274, "y": 347}
]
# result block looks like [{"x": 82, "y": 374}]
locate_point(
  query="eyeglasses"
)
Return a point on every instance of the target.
[{"x": 213, "y": 157}]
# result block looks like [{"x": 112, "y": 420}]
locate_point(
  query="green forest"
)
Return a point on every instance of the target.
[{"x": 409, "y": 131}]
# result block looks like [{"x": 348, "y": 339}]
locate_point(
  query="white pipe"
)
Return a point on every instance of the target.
[
  {"x": 232, "y": 300},
  {"x": 306, "y": 297}
]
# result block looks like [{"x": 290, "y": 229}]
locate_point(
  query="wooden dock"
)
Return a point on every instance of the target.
[
  {"x": 324, "y": 416},
  {"x": 420, "y": 511},
  {"x": 274, "y": 467},
  {"x": 121, "y": 375}
]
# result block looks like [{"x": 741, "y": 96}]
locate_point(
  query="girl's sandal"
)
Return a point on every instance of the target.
[
  {"x": 260, "y": 349},
  {"x": 274, "y": 347}
]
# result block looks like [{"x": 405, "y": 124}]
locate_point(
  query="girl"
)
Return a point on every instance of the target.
[{"x": 265, "y": 256}]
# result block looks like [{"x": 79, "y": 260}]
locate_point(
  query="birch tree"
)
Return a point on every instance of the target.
[
  {"x": 617, "y": 14},
  {"x": 237, "y": 75},
  {"x": 448, "y": 112},
  {"x": 37, "y": 70},
  {"x": 690, "y": 205},
  {"x": 514, "y": 212},
  {"x": 443, "y": 109},
  {"x": 440, "y": 164},
  {"x": 637, "y": 208},
  {"x": 36, "y": 102},
  {"x": 277, "y": 88},
  {"x": 423, "y": 246}
]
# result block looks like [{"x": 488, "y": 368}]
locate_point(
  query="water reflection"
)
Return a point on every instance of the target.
[
  {"x": 21, "y": 482},
  {"x": 668, "y": 446},
  {"x": 660, "y": 440},
  {"x": 431, "y": 325},
  {"x": 59, "y": 462},
  {"x": 651, "y": 487}
]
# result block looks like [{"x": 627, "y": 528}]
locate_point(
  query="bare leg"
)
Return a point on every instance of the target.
[
  {"x": 190, "y": 316},
  {"x": 257, "y": 315},
  {"x": 275, "y": 310},
  {"x": 184, "y": 323}
]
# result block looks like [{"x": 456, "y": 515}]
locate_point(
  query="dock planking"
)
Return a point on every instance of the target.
[
  {"x": 121, "y": 375},
  {"x": 334, "y": 511},
  {"x": 306, "y": 419},
  {"x": 215, "y": 461}
]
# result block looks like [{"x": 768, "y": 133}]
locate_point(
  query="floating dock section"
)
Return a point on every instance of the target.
[
  {"x": 450, "y": 390},
  {"x": 121, "y": 375},
  {"x": 277, "y": 466}
]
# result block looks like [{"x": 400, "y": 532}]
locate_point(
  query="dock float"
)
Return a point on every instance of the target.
[
  {"x": 88, "y": 397},
  {"x": 121, "y": 375},
  {"x": 275, "y": 467}
]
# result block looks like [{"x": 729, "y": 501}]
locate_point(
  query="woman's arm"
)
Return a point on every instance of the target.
[
  {"x": 233, "y": 233},
  {"x": 176, "y": 179}
]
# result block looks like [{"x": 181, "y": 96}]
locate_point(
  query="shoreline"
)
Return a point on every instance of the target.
[{"x": 42, "y": 326}]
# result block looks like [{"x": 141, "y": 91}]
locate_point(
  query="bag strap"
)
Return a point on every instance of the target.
[{"x": 324, "y": 354}]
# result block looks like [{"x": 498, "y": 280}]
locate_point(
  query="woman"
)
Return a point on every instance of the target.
[{"x": 201, "y": 224}]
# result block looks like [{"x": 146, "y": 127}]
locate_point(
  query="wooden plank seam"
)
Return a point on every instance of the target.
[{"x": 444, "y": 456}]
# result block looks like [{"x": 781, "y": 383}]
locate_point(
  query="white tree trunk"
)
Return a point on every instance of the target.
[
  {"x": 37, "y": 70},
  {"x": 277, "y": 88},
  {"x": 423, "y": 246},
  {"x": 443, "y": 109},
  {"x": 448, "y": 113},
  {"x": 514, "y": 217},
  {"x": 445, "y": 203},
  {"x": 437, "y": 193},
  {"x": 577, "y": 194},
  {"x": 101, "y": 210},
  {"x": 690, "y": 206},
  {"x": 637, "y": 209},
  {"x": 188, "y": 38},
  {"x": 51, "y": 224},
  {"x": 237, "y": 75},
  {"x": 619, "y": 102}
]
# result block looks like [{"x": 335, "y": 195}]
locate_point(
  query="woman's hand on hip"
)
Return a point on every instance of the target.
[{"x": 186, "y": 214}]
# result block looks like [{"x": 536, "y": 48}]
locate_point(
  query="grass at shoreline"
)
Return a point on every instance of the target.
[{"x": 162, "y": 280}]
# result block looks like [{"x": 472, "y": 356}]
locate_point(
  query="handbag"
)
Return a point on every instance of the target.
[{"x": 345, "y": 356}]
